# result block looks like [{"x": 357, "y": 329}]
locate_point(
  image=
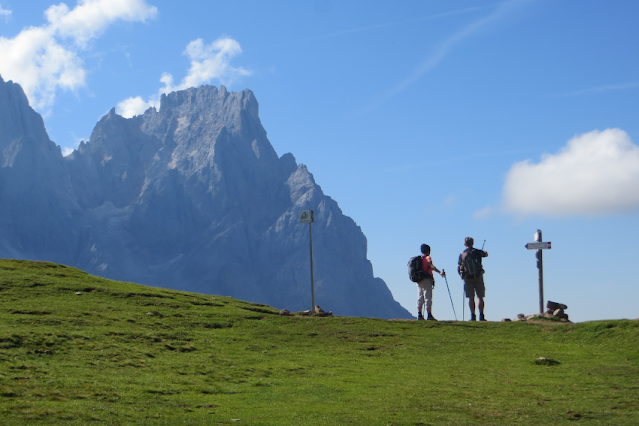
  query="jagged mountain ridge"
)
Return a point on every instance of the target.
[{"x": 191, "y": 197}]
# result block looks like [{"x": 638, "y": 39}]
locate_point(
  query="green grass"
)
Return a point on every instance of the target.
[{"x": 124, "y": 353}]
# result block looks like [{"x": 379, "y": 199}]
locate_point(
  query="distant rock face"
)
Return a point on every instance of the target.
[
  {"x": 192, "y": 197},
  {"x": 38, "y": 208}
]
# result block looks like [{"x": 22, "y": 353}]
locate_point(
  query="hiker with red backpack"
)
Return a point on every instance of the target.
[
  {"x": 420, "y": 271},
  {"x": 470, "y": 269}
]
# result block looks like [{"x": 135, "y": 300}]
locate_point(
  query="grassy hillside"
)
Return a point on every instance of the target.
[{"x": 123, "y": 353}]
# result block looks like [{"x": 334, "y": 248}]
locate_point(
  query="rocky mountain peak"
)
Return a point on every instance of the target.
[
  {"x": 191, "y": 196},
  {"x": 17, "y": 118}
]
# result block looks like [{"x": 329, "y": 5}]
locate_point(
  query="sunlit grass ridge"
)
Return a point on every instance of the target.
[{"x": 121, "y": 353}]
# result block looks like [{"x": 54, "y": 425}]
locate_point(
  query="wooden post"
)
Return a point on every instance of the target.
[
  {"x": 310, "y": 234},
  {"x": 308, "y": 216},
  {"x": 540, "y": 266}
]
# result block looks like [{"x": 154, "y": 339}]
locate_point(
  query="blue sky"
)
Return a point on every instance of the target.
[{"x": 427, "y": 121}]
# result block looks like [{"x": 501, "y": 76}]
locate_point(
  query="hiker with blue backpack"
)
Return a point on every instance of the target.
[
  {"x": 420, "y": 271},
  {"x": 470, "y": 269}
]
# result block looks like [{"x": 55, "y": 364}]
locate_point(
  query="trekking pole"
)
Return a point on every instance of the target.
[
  {"x": 463, "y": 303},
  {"x": 451, "y": 297},
  {"x": 482, "y": 246}
]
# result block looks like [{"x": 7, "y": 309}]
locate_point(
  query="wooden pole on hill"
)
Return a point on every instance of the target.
[
  {"x": 310, "y": 235},
  {"x": 540, "y": 267},
  {"x": 308, "y": 216}
]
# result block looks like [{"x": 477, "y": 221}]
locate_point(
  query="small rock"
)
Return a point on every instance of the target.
[
  {"x": 79, "y": 293},
  {"x": 505, "y": 320},
  {"x": 151, "y": 314},
  {"x": 521, "y": 316},
  {"x": 318, "y": 310},
  {"x": 306, "y": 312},
  {"x": 285, "y": 312},
  {"x": 546, "y": 361}
]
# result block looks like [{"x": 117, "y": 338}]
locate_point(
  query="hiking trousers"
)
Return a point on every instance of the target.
[{"x": 425, "y": 293}]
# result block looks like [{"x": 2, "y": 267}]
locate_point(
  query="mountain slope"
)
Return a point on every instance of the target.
[{"x": 191, "y": 197}]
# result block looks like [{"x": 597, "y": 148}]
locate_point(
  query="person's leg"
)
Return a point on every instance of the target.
[
  {"x": 481, "y": 292},
  {"x": 428, "y": 294},
  {"x": 481, "y": 309},
  {"x": 469, "y": 287},
  {"x": 428, "y": 291},
  {"x": 420, "y": 300},
  {"x": 470, "y": 294}
]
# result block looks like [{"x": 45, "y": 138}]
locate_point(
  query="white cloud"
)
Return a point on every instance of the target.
[
  {"x": 91, "y": 17},
  {"x": 597, "y": 173},
  {"x": 131, "y": 107},
  {"x": 450, "y": 202},
  {"x": 44, "y": 59},
  {"x": 208, "y": 62},
  {"x": 442, "y": 49},
  {"x": 483, "y": 213},
  {"x": 6, "y": 13},
  {"x": 601, "y": 89},
  {"x": 35, "y": 60}
]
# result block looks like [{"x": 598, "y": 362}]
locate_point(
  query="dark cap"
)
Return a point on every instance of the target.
[
  {"x": 425, "y": 248},
  {"x": 469, "y": 242}
]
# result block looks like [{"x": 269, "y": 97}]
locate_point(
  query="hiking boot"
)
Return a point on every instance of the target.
[
  {"x": 482, "y": 318},
  {"x": 431, "y": 318},
  {"x": 420, "y": 317},
  {"x": 472, "y": 317}
]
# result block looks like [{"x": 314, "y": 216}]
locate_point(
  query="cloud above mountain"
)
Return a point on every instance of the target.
[
  {"x": 596, "y": 173},
  {"x": 208, "y": 62},
  {"x": 47, "y": 58}
]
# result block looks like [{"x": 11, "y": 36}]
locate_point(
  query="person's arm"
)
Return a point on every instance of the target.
[
  {"x": 459, "y": 262},
  {"x": 436, "y": 270}
]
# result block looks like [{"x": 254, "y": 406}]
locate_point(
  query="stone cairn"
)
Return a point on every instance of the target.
[
  {"x": 557, "y": 310},
  {"x": 554, "y": 310}
]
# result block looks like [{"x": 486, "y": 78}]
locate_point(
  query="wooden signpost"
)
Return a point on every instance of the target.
[
  {"x": 540, "y": 245},
  {"x": 308, "y": 216}
]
